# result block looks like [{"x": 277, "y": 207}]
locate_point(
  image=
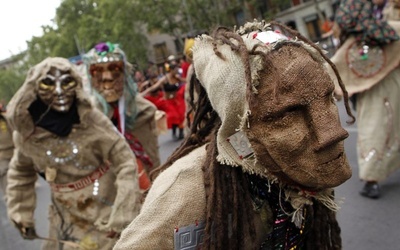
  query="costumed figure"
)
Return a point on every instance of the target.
[
  {"x": 116, "y": 93},
  {"x": 368, "y": 62},
  {"x": 6, "y": 150},
  {"x": 168, "y": 95},
  {"x": 90, "y": 168},
  {"x": 264, "y": 154}
]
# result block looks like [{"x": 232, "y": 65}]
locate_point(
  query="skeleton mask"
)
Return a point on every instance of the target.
[
  {"x": 108, "y": 79},
  {"x": 295, "y": 130},
  {"x": 57, "y": 89}
]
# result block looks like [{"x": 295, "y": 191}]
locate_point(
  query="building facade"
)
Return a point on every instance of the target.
[{"x": 305, "y": 16}]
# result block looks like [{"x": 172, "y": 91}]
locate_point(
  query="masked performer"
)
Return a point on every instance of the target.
[
  {"x": 170, "y": 91},
  {"x": 368, "y": 62},
  {"x": 6, "y": 150},
  {"x": 265, "y": 178},
  {"x": 89, "y": 166},
  {"x": 116, "y": 92}
]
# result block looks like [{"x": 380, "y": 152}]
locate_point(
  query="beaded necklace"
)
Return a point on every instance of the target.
[{"x": 285, "y": 234}]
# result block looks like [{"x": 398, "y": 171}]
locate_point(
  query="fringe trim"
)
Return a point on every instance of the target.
[
  {"x": 252, "y": 26},
  {"x": 298, "y": 199},
  {"x": 244, "y": 120},
  {"x": 223, "y": 160}
]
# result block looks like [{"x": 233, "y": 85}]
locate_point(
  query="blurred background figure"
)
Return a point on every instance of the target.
[
  {"x": 368, "y": 62},
  {"x": 117, "y": 96},
  {"x": 6, "y": 148},
  {"x": 167, "y": 93}
]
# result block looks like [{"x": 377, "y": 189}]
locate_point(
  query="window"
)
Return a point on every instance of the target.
[
  {"x": 312, "y": 24},
  {"x": 160, "y": 52}
]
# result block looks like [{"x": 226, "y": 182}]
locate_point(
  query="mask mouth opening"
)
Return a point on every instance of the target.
[{"x": 334, "y": 160}]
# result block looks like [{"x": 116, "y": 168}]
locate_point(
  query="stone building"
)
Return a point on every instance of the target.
[{"x": 306, "y": 16}]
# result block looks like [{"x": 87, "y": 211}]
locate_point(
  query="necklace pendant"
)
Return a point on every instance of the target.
[{"x": 51, "y": 174}]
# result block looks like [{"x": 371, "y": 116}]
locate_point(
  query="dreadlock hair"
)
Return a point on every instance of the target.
[
  {"x": 205, "y": 119},
  {"x": 228, "y": 203},
  {"x": 325, "y": 231},
  {"x": 229, "y": 208}
]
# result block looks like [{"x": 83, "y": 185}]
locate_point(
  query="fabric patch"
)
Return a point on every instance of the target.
[
  {"x": 241, "y": 144},
  {"x": 189, "y": 237},
  {"x": 268, "y": 37}
]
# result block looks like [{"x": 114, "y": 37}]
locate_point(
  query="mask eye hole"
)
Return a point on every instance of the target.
[
  {"x": 68, "y": 82},
  {"x": 94, "y": 70},
  {"x": 116, "y": 67},
  {"x": 47, "y": 83}
]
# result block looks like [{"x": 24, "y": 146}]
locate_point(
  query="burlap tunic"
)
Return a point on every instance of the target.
[
  {"x": 81, "y": 159},
  {"x": 176, "y": 200},
  {"x": 378, "y": 111}
]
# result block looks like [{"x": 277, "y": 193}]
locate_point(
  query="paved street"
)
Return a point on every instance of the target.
[{"x": 366, "y": 224}]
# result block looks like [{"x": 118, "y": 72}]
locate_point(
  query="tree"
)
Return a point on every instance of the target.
[
  {"x": 180, "y": 17},
  {"x": 79, "y": 25},
  {"x": 10, "y": 81}
]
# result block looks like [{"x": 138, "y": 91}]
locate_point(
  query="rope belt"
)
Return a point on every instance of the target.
[{"x": 82, "y": 183}]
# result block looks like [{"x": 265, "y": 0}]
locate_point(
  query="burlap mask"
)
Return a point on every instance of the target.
[
  {"x": 294, "y": 123},
  {"x": 290, "y": 119}
]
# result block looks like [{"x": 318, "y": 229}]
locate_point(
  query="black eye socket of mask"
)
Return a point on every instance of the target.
[
  {"x": 67, "y": 80},
  {"x": 48, "y": 81}
]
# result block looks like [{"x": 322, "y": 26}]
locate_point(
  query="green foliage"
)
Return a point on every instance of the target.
[
  {"x": 10, "y": 81},
  {"x": 181, "y": 16},
  {"x": 79, "y": 25}
]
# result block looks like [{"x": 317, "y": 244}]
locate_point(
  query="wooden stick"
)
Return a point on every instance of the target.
[{"x": 69, "y": 243}]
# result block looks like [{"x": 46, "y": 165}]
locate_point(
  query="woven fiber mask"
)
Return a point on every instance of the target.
[
  {"x": 295, "y": 130},
  {"x": 106, "y": 66},
  {"x": 108, "y": 79},
  {"x": 275, "y": 92}
]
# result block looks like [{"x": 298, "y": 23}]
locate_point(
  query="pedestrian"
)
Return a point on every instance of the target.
[
  {"x": 368, "y": 62},
  {"x": 87, "y": 163},
  {"x": 117, "y": 95},
  {"x": 264, "y": 153}
]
